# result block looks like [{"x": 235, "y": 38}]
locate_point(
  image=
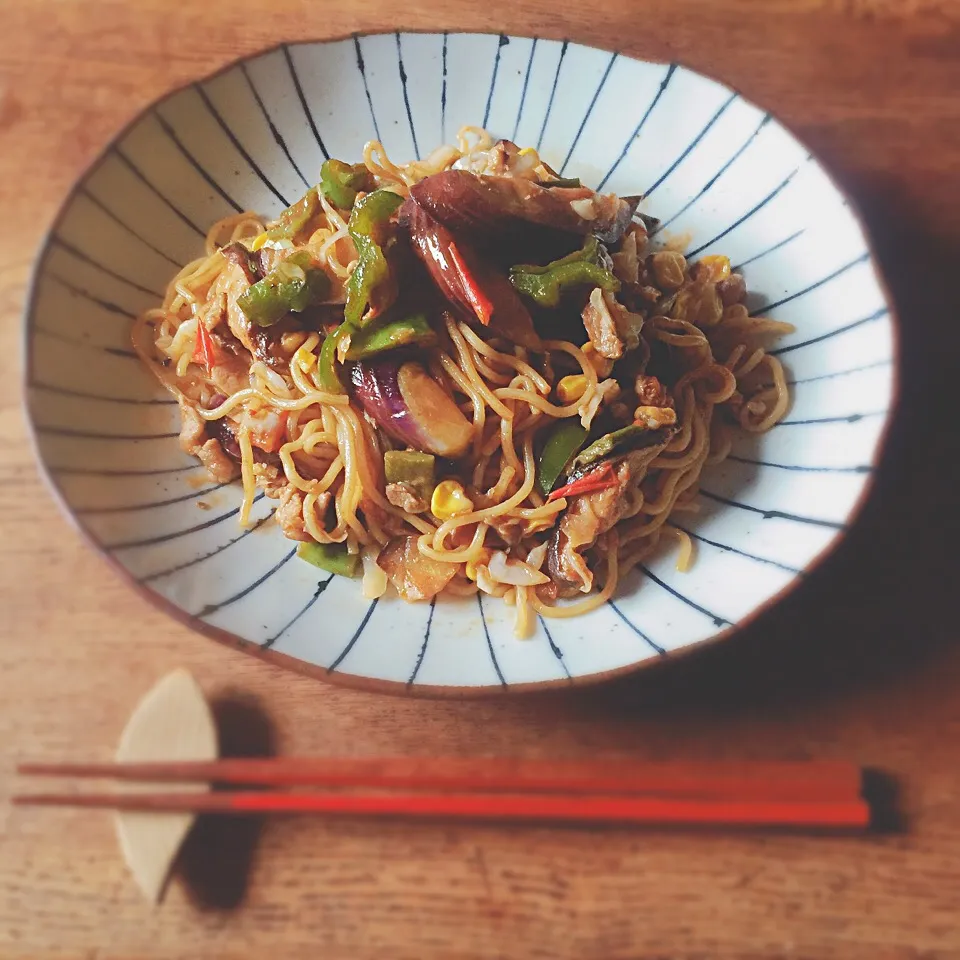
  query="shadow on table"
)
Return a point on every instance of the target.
[{"x": 215, "y": 862}]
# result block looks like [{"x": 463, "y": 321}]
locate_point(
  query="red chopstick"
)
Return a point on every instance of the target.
[
  {"x": 851, "y": 814},
  {"x": 820, "y": 780}
]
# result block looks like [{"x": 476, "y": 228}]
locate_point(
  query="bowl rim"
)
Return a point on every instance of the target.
[{"x": 405, "y": 688}]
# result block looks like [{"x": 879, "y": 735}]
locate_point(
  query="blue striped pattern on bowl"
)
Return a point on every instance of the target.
[{"x": 718, "y": 172}]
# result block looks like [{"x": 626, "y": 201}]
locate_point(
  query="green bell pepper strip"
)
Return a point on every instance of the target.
[
  {"x": 411, "y": 467},
  {"x": 332, "y": 557},
  {"x": 294, "y": 284},
  {"x": 368, "y": 341},
  {"x": 340, "y": 182},
  {"x": 565, "y": 440},
  {"x": 619, "y": 440},
  {"x": 544, "y": 285},
  {"x": 377, "y": 336},
  {"x": 292, "y": 220},
  {"x": 370, "y": 284},
  {"x": 327, "y": 360},
  {"x": 371, "y": 215}
]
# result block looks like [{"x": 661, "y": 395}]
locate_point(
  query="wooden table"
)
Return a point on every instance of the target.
[{"x": 860, "y": 664}]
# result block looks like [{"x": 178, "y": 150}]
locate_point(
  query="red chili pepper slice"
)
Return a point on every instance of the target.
[
  {"x": 482, "y": 306},
  {"x": 205, "y": 352},
  {"x": 600, "y": 479}
]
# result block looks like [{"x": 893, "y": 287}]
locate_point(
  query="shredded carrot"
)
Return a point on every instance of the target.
[
  {"x": 599, "y": 479},
  {"x": 205, "y": 352},
  {"x": 482, "y": 306}
]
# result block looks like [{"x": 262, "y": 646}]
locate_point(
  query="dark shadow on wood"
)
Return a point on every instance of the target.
[
  {"x": 217, "y": 857},
  {"x": 882, "y": 793}
]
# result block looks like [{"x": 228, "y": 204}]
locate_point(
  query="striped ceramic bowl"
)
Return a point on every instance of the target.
[{"x": 714, "y": 168}]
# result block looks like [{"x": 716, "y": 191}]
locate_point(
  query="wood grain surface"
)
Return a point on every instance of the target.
[{"x": 861, "y": 664}]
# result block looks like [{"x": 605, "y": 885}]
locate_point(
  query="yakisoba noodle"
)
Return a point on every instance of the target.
[{"x": 566, "y": 383}]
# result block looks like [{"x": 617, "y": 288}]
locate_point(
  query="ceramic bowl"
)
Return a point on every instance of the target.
[{"x": 717, "y": 171}]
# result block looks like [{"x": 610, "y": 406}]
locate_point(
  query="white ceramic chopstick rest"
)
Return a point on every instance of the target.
[{"x": 172, "y": 722}]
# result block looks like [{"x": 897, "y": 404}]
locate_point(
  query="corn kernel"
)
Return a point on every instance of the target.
[
  {"x": 258, "y": 241},
  {"x": 449, "y": 500},
  {"x": 526, "y": 152},
  {"x": 718, "y": 265},
  {"x": 471, "y": 570},
  {"x": 572, "y": 388}
]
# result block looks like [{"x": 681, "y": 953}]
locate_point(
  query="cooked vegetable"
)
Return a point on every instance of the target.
[
  {"x": 249, "y": 263},
  {"x": 449, "y": 500},
  {"x": 411, "y": 406},
  {"x": 586, "y": 518},
  {"x": 205, "y": 352},
  {"x": 465, "y": 201},
  {"x": 412, "y": 468},
  {"x": 478, "y": 300},
  {"x": 276, "y": 344},
  {"x": 594, "y": 512},
  {"x": 332, "y": 557},
  {"x": 571, "y": 388},
  {"x": 415, "y": 576},
  {"x": 292, "y": 220},
  {"x": 715, "y": 267},
  {"x": 545, "y": 284},
  {"x": 537, "y": 555},
  {"x": 601, "y": 478},
  {"x": 295, "y": 284},
  {"x": 371, "y": 287},
  {"x": 327, "y": 361},
  {"x": 377, "y": 337},
  {"x": 465, "y": 280},
  {"x": 631, "y": 437},
  {"x": 374, "y": 576},
  {"x": 566, "y": 438},
  {"x": 419, "y": 343},
  {"x": 371, "y": 284},
  {"x": 340, "y": 182},
  {"x": 506, "y": 569}
]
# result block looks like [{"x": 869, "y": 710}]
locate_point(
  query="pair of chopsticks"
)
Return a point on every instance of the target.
[{"x": 812, "y": 794}]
